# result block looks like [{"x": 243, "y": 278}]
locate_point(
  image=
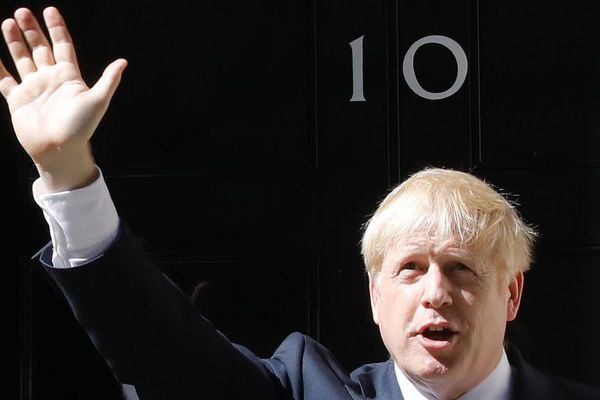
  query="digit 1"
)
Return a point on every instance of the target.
[{"x": 357, "y": 69}]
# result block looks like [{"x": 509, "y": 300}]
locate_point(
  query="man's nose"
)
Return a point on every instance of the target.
[{"x": 436, "y": 290}]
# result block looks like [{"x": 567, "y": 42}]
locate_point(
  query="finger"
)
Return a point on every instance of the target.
[
  {"x": 17, "y": 48},
  {"x": 60, "y": 36},
  {"x": 104, "y": 89},
  {"x": 35, "y": 38},
  {"x": 7, "y": 82}
]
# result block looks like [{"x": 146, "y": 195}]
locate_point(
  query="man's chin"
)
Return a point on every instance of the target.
[
  {"x": 431, "y": 367},
  {"x": 432, "y": 370}
]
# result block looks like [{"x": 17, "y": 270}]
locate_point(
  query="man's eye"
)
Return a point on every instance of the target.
[
  {"x": 410, "y": 265},
  {"x": 458, "y": 267},
  {"x": 411, "y": 269}
]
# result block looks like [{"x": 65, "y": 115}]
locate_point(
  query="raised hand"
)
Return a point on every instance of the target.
[{"x": 54, "y": 113}]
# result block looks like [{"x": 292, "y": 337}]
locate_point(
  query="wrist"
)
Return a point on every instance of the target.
[{"x": 71, "y": 171}]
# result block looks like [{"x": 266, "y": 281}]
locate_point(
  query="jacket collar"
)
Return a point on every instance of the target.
[
  {"x": 378, "y": 381},
  {"x": 528, "y": 383}
]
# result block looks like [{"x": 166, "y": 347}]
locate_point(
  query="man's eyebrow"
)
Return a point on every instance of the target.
[
  {"x": 455, "y": 251},
  {"x": 452, "y": 250},
  {"x": 411, "y": 248}
]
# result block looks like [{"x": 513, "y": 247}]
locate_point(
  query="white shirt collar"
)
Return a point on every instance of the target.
[{"x": 495, "y": 387}]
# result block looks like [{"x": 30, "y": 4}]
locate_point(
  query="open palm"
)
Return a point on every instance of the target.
[{"x": 52, "y": 108}]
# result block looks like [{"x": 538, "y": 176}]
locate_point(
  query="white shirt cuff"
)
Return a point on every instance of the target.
[{"x": 83, "y": 222}]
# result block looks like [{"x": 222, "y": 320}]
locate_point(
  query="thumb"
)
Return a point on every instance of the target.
[{"x": 109, "y": 81}]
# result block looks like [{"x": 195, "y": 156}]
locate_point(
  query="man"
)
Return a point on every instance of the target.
[{"x": 445, "y": 255}]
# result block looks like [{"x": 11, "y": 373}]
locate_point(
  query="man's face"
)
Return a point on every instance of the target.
[{"x": 442, "y": 312}]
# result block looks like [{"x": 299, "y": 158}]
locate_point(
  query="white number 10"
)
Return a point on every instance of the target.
[{"x": 408, "y": 68}]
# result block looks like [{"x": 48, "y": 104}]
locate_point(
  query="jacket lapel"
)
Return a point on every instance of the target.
[
  {"x": 378, "y": 381},
  {"x": 527, "y": 383}
]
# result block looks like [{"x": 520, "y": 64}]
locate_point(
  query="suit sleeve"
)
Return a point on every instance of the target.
[{"x": 151, "y": 336}]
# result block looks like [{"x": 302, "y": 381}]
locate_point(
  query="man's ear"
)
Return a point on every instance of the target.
[
  {"x": 374, "y": 294},
  {"x": 515, "y": 290}
]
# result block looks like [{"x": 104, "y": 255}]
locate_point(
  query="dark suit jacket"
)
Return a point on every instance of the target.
[{"x": 152, "y": 338}]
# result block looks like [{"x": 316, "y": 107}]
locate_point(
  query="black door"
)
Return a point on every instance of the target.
[{"x": 249, "y": 142}]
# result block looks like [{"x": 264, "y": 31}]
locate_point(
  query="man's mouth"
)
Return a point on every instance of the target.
[{"x": 438, "y": 334}]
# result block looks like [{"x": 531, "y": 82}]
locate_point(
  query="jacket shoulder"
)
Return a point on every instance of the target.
[{"x": 530, "y": 383}]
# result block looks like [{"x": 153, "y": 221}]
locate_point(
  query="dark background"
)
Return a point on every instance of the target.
[{"x": 233, "y": 151}]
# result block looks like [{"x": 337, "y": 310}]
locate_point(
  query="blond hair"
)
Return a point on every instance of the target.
[{"x": 448, "y": 204}]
